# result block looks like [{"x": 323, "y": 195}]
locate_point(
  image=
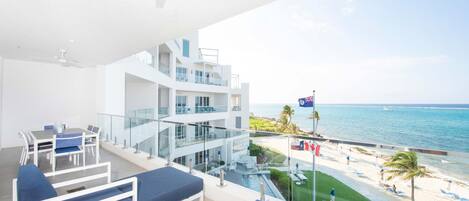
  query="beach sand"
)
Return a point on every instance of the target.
[{"x": 362, "y": 174}]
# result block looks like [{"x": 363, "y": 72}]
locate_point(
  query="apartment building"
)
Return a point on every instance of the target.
[{"x": 177, "y": 81}]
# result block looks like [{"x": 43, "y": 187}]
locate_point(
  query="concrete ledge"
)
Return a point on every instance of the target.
[{"x": 229, "y": 192}]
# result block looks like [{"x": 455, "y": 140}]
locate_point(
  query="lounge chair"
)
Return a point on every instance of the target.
[
  {"x": 168, "y": 184},
  {"x": 302, "y": 177}
]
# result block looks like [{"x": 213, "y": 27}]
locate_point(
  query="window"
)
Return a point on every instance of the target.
[
  {"x": 202, "y": 129},
  {"x": 181, "y": 103},
  {"x": 181, "y": 74},
  {"x": 202, "y": 104},
  {"x": 185, "y": 48},
  {"x": 181, "y": 160},
  {"x": 180, "y": 131},
  {"x": 238, "y": 122},
  {"x": 199, "y": 157},
  {"x": 199, "y": 76}
]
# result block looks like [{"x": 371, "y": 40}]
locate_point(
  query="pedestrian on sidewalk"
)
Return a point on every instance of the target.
[{"x": 348, "y": 160}]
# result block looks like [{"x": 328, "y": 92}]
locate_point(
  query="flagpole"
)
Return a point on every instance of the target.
[
  {"x": 314, "y": 154},
  {"x": 289, "y": 172}
]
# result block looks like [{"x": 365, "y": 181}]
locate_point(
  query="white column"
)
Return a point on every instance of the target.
[
  {"x": 156, "y": 54},
  {"x": 172, "y": 102},
  {"x": 1, "y": 100},
  {"x": 172, "y": 65}
]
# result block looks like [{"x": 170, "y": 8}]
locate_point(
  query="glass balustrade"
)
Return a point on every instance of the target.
[
  {"x": 200, "y": 109},
  {"x": 282, "y": 164}
]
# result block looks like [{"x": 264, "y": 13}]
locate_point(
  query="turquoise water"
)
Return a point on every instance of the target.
[{"x": 443, "y": 127}]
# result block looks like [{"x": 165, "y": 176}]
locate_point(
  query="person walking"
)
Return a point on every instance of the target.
[
  {"x": 332, "y": 194},
  {"x": 382, "y": 174},
  {"x": 348, "y": 160}
]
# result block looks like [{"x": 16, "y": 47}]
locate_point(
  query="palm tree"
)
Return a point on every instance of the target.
[
  {"x": 288, "y": 111},
  {"x": 315, "y": 117},
  {"x": 404, "y": 164}
]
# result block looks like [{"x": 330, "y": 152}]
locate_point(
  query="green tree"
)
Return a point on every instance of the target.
[
  {"x": 315, "y": 117},
  {"x": 288, "y": 112},
  {"x": 404, "y": 164}
]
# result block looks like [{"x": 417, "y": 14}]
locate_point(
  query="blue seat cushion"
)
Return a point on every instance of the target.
[
  {"x": 67, "y": 150},
  {"x": 32, "y": 185},
  {"x": 100, "y": 195},
  {"x": 168, "y": 184}
]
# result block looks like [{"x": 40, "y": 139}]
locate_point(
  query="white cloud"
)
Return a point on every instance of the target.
[
  {"x": 349, "y": 8},
  {"x": 304, "y": 20}
]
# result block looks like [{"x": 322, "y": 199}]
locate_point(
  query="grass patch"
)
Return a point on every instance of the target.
[
  {"x": 324, "y": 185},
  {"x": 270, "y": 125},
  {"x": 262, "y": 124}
]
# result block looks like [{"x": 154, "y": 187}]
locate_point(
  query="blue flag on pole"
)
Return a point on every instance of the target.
[{"x": 306, "y": 102}]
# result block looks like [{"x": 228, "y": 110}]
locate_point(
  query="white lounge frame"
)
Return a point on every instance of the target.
[{"x": 132, "y": 193}]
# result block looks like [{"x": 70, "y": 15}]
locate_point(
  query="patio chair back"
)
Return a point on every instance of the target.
[
  {"x": 90, "y": 128},
  {"x": 49, "y": 127},
  {"x": 69, "y": 140},
  {"x": 26, "y": 141},
  {"x": 96, "y": 130}
]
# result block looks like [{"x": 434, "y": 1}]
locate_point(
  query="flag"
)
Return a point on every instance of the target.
[
  {"x": 306, "y": 102},
  {"x": 317, "y": 150}
]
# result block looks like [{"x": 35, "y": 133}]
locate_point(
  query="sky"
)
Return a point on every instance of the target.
[{"x": 349, "y": 51}]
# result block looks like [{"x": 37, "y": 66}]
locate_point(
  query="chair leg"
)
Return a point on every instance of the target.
[
  {"x": 53, "y": 163},
  {"x": 74, "y": 159},
  {"x": 84, "y": 157}
]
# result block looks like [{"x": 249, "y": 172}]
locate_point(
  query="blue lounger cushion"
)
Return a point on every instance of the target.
[
  {"x": 168, "y": 184},
  {"x": 32, "y": 185}
]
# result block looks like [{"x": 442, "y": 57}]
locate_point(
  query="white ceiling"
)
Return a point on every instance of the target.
[{"x": 102, "y": 31}]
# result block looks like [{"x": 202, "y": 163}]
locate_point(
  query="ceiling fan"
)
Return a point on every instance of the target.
[{"x": 63, "y": 60}]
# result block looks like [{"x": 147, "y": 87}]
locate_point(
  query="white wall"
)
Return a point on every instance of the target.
[
  {"x": 1, "y": 100},
  {"x": 140, "y": 95},
  {"x": 163, "y": 97},
  {"x": 37, "y": 93}
]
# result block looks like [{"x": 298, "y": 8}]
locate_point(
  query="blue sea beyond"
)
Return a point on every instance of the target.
[{"x": 441, "y": 127}]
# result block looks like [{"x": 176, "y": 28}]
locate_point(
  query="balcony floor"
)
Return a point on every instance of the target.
[{"x": 9, "y": 158}]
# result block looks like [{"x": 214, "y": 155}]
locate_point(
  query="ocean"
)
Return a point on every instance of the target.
[{"x": 440, "y": 127}]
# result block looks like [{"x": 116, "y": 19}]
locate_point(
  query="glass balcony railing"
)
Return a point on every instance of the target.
[
  {"x": 281, "y": 165},
  {"x": 164, "y": 69},
  {"x": 236, "y": 108},
  {"x": 200, "y": 109},
  {"x": 163, "y": 112},
  {"x": 184, "y": 77}
]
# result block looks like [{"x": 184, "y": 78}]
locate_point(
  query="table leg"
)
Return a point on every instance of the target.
[{"x": 36, "y": 153}]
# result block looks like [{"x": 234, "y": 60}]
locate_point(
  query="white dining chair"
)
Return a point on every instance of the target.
[
  {"x": 67, "y": 145},
  {"x": 28, "y": 147},
  {"x": 91, "y": 142}
]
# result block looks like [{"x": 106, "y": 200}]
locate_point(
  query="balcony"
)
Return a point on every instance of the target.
[
  {"x": 165, "y": 70},
  {"x": 135, "y": 151},
  {"x": 182, "y": 76},
  {"x": 236, "y": 108},
  {"x": 163, "y": 112},
  {"x": 200, "y": 109}
]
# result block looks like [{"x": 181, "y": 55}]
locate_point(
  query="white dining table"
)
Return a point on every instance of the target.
[{"x": 43, "y": 136}]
